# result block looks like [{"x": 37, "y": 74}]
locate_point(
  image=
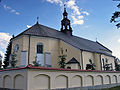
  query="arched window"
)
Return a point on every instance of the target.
[
  {"x": 39, "y": 48},
  {"x": 103, "y": 63},
  {"x": 16, "y": 48}
]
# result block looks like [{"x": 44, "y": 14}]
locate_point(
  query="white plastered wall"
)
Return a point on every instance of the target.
[{"x": 35, "y": 79}]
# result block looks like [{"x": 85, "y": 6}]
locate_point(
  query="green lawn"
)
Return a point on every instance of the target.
[{"x": 113, "y": 88}]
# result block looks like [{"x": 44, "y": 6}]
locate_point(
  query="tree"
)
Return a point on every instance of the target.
[
  {"x": 116, "y": 16},
  {"x": 107, "y": 66},
  {"x": 117, "y": 66},
  {"x": 7, "y": 54},
  {"x": 0, "y": 61},
  {"x": 36, "y": 63},
  {"x": 0, "y": 2},
  {"x": 13, "y": 59},
  {"x": 90, "y": 66},
  {"x": 62, "y": 62}
]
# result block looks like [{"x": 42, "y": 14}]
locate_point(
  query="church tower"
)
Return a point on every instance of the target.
[{"x": 65, "y": 24}]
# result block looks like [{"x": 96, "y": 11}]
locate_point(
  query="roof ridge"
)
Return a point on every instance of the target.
[
  {"x": 49, "y": 27},
  {"x": 85, "y": 39}
]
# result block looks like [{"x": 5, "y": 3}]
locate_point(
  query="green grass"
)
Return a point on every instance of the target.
[{"x": 113, "y": 88}]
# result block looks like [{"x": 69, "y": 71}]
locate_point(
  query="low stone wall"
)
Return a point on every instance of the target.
[
  {"x": 62, "y": 78},
  {"x": 13, "y": 79},
  {"x": 37, "y": 78}
]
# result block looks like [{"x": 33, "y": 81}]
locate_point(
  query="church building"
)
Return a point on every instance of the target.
[
  {"x": 87, "y": 63},
  {"x": 45, "y": 44}
]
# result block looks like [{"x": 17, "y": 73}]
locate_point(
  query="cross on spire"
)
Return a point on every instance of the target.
[
  {"x": 65, "y": 23},
  {"x": 65, "y": 12},
  {"x": 37, "y": 20},
  {"x": 96, "y": 39},
  {"x": 65, "y": 5}
]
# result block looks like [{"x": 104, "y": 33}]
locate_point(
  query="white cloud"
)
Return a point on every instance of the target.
[
  {"x": 87, "y": 26},
  {"x": 119, "y": 40},
  {"x": 86, "y": 13},
  {"x": 2, "y": 54},
  {"x": 17, "y": 13},
  {"x": 77, "y": 15},
  {"x": 28, "y": 26},
  {"x": 11, "y": 10},
  {"x": 81, "y": 17},
  {"x": 56, "y": 1},
  {"x": 4, "y": 39},
  {"x": 77, "y": 21},
  {"x": 7, "y": 7},
  {"x": 72, "y": 5}
]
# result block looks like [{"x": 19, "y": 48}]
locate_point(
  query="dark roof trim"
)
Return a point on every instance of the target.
[{"x": 73, "y": 61}]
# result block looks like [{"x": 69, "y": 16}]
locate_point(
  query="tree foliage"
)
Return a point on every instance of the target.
[
  {"x": 7, "y": 54},
  {"x": 117, "y": 66},
  {"x": 62, "y": 62},
  {"x": 0, "y": 1},
  {"x": 107, "y": 66},
  {"x": 116, "y": 16},
  {"x": 36, "y": 63},
  {"x": 90, "y": 66},
  {"x": 0, "y": 61},
  {"x": 13, "y": 59}
]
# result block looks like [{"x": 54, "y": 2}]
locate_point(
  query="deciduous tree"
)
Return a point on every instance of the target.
[
  {"x": 62, "y": 62},
  {"x": 116, "y": 16}
]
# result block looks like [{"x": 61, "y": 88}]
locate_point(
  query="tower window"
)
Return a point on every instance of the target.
[
  {"x": 40, "y": 48},
  {"x": 66, "y": 50}
]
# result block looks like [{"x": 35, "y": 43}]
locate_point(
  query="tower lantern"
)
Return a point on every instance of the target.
[{"x": 65, "y": 24}]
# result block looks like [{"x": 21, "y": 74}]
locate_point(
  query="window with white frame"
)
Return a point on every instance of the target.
[
  {"x": 39, "y": 48},
  {"x": 40, "y": 54}
]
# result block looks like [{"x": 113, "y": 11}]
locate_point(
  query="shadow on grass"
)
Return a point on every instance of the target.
[{"x": 113, "y": 88}]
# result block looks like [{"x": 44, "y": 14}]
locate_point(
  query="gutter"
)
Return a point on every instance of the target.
[
  {"x": 82, "y": 58},
  {"x": 29, "y": 50},
  {"x": 100, "y": 62}
]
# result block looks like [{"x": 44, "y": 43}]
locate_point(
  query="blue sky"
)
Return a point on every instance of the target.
[{"x": 90, "y": 19}]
